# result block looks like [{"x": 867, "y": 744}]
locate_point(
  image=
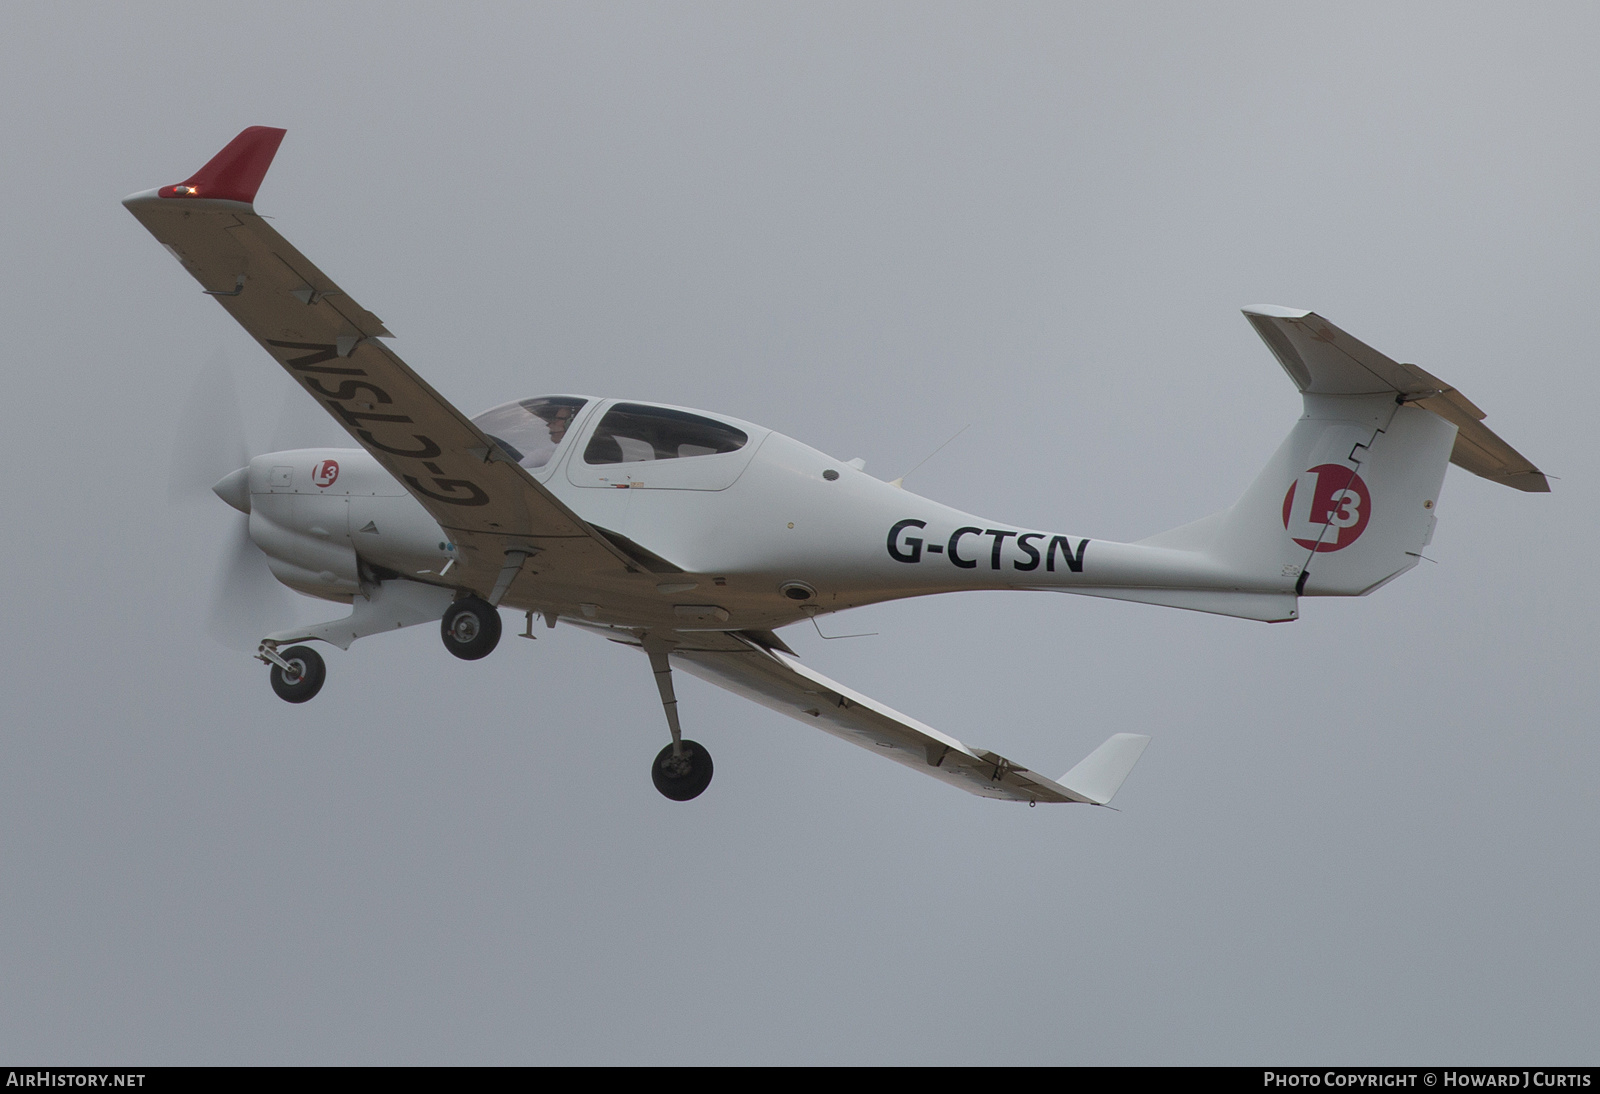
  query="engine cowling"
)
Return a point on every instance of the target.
[{"x": 318, "y": 513}]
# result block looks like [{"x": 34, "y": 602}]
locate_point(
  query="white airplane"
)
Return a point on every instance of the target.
[{"x": 694, "y": 536}]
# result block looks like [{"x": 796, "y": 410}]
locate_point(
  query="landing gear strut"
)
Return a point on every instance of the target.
[
  {"x": 685, "y": 775},
  {"x": 298, "y": 674},
  {"x": 683, "y": 769},
  {"x": 470, "y": 628}
]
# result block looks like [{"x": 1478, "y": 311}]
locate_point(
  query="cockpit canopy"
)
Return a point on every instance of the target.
[
  {"x": 634, "y": 432},
  {"x": 531, "y": 431}
]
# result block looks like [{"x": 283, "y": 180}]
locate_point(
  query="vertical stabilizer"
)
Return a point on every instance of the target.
[{"x": 1347, "y": 502}]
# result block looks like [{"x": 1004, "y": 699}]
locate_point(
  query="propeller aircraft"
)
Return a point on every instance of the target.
[{"x": 693, "y": 536}]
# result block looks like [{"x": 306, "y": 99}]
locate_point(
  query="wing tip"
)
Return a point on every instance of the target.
[
  {"x": 1101, "y": 774},
  {"x": 1274, "y": 311},
  {"x": 233, "y": 174},
  {"x": 1529, "y": 482},
  {"x": 143, "y": 197}
]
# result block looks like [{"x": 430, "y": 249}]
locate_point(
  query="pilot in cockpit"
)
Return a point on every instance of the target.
[
  {"x": 557, "y": 417},
  {"x": 531, "y": 430}
]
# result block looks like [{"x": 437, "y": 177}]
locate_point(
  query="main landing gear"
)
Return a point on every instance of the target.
[
  {"x": 682, "y": 770},
  {"x": 470, "y": 628},
  {"x": 684, "y": 775}
]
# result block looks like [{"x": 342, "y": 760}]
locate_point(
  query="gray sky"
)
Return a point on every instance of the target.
[{"x": 1366, "y": 836}]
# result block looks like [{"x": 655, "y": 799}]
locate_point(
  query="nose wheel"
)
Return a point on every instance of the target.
[
  {"x": 684, "y": 775},
  {"x": 470, "y": 628},
  {"x": 298, "y": 673}
]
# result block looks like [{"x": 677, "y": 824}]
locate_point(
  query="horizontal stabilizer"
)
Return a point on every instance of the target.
[
  {"x": 1100, "y": 775},
  {"x": 1321, "y": 359}
]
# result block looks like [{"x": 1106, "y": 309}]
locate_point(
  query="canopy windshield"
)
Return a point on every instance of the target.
[{"x": 531, "y": 430}]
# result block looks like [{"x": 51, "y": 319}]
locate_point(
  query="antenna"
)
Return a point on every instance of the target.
[
  {"x": 900, "y": 482},
  {"x": 812, "y": 612}
]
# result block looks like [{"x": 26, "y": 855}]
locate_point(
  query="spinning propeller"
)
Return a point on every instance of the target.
[{"x": 210, "y": 442}]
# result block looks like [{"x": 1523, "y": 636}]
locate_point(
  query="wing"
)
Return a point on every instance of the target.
[
  {"x": 1324, "y": 360},
  {"x": 776, "y": 679},
  {"x": 481, "y": 497}
]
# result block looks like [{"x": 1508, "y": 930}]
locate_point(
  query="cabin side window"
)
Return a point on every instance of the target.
[{"x": 633, "y": 433}]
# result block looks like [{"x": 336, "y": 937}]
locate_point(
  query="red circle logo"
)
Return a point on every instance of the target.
[
  {"x": 1327, "y": 508},
  {"x": 325, "y": 473}
]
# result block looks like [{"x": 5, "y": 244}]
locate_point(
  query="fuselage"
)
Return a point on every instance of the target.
[{"x": 759, "y": 534}]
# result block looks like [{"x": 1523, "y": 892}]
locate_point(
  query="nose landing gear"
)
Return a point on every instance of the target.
[
  {"x": 297, "y": 673},
  {"x": 470, "y": 628}
]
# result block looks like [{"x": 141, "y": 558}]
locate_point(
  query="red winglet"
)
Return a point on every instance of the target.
[{"x": 235, "y": 173}]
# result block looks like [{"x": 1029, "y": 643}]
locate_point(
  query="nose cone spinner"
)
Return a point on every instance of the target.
[{"x": 234, "y": 488}]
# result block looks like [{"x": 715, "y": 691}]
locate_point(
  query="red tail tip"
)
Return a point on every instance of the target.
[{"x": 235, "y": 173}]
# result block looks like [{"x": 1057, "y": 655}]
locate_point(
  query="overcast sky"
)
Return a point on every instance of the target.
[{"x": 1368, "y": 836}]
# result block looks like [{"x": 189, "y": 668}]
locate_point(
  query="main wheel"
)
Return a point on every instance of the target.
[
  {"x": 470, "y": 628},
  {"x": 682, "y": 777},
  {"x": 305, "y": 679}
]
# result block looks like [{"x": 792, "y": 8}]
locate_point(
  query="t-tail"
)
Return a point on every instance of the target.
[{"x": 1347, "y": 502}]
